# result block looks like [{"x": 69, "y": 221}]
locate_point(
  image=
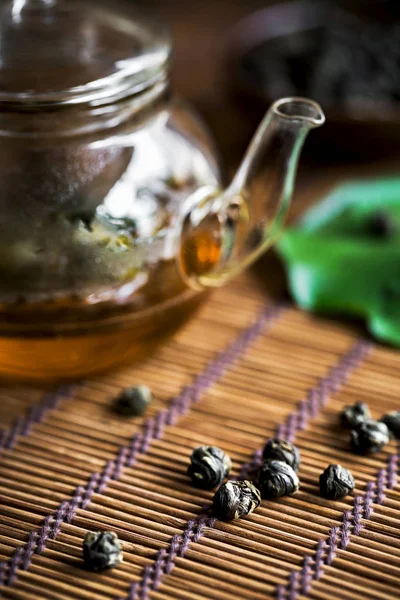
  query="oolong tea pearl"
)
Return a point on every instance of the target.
[
  {"x": 133, "y": 401},
  {"x": 392, "y": 422},
  {"x": 209, "y": 467},
  {"x": 277, "y": 479},
  {"x": 353, "y": 416},
  {"x": 277, "y": 449},
  {"x": 336, "y": 482},
  {"x": 371, "y": 436},
  {"x": 235, "y": 499},
  {"x": 101, "y": 550}
]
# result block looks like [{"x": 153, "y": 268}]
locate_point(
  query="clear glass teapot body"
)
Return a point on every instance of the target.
[
  {"x": 113, "y": 221},
  {"x": 89, "y": 231}
]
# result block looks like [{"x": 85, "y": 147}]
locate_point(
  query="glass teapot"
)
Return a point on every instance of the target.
[{"x": 113, "y": 220}]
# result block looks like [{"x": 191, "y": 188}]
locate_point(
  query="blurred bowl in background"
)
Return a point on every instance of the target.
[{"x": 346, "y": 61}]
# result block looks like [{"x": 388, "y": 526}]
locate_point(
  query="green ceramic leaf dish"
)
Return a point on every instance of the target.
[{"x": 344, "y": 256}]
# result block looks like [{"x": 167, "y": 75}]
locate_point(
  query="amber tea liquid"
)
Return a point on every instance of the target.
[{"x": 68, "y": 340}]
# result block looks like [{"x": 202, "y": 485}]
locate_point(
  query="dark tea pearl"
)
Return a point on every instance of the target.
[
  {"x": 371, "y": 436},
  {"x": 209, "y": 467},
  {"x": 352, "y": 416},
  {"x": 336, "y": 482},
  {"x": 392, "y": 422},
  {"x": 235, "y": 499},
  {"x": 277, "y": 449},
  {"x": 133, "y": 401},
  {"x": 101, "y": 550},
  {"x": 277, "y": 479}
]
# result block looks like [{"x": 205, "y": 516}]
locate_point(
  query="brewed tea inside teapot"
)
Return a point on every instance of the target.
[{"x": 113, "y": 220}]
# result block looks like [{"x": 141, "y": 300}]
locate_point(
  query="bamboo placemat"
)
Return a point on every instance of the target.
[{"x": 240, "y": 372}]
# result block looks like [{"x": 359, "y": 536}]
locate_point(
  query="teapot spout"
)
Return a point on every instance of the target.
[
  {"x": 300, "y": 109},
  {"x": 236, "y": 226},
  {"x": 279, "y": 138}
]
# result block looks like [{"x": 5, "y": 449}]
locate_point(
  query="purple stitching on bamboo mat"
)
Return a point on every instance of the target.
[
  {"x": 345, "y": 530},
  {"x": 318, "y": 561},
  {"x": 133, "y": 592},
  {"x": 14, "y": 564},
  {"x": 332, "y": 547},
  {"x": 305, "y": 576},
  {"x": 91, "y": 486},
  {"x": 73, "y": 505},
  {"x": 22, "y": 426},
  {"x": 158, "y": 568},
  {"x": 316, "y": 399},
  {"x": 351, "y": 526},
  {"x": 381, "y": 486},
  {"x": 293, "y": 585},
  {"x": 280, "y": 591},
  {"x": 153, "y": 428},
  {"x": 368, "y": 499},
  {"x": 43, "y": 532},
  {"x": 29, "y": 550},
  {"x": 357, "y": 514}
]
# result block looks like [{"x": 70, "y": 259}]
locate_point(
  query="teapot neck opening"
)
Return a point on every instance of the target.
[
  {"x": 78, "y": 52},
  {"x": 104, "y": 92},
  {"x": 49, "y": 120},
  {"x": 299, "y": 109}
]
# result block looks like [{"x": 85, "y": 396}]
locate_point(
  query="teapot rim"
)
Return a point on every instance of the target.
[{"x": 58, "y": 53}]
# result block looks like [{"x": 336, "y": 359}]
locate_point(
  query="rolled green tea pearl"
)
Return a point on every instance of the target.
[
  {"x": 354, "y": 415},
  {"x": 235, "y": 499},
  {"x": 336, "y": 482},
  {"x": 133, "y": 401},
  {"x": 209, "y": 467},
  {"x": 101, "y": 550},
  {"x": 370, "y": 437},
  {"x": 392, "y": 422},
  {"x": 277, "y": 479},
  {"x": 277, "y": 449}
]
